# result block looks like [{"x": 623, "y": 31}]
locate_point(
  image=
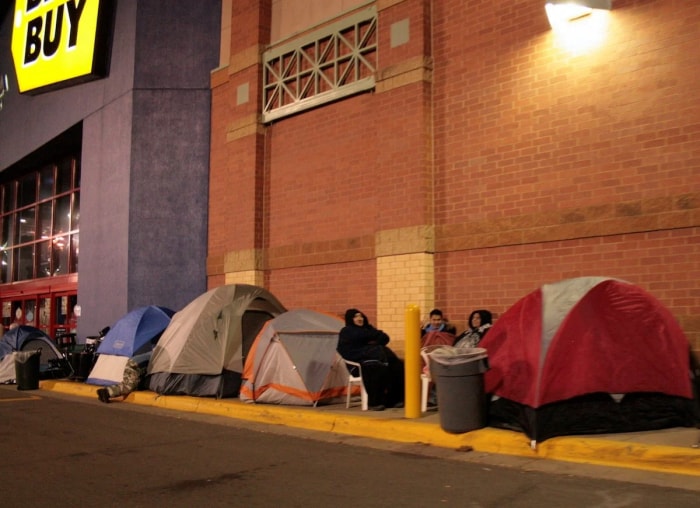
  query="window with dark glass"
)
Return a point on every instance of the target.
[{"x": 39, "y": 221}]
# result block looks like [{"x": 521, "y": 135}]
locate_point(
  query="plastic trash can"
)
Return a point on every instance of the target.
[
  {"x": 27, "y": 365},
  {"x": 73, "y": 358},
  {"x": 85, "y": 364},
  {"x": 458, "y": 374}
]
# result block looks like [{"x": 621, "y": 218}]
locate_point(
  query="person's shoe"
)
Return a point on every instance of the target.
[
  {"x": 376, "y": 408},
  {"x": 103, "y": 395},
  {"x": 398, "y": 405}
]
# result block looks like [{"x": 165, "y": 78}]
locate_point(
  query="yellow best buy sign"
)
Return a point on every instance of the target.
[{"x": 57, "y": 43}]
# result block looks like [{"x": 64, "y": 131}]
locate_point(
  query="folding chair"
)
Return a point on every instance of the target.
[
  {"x": 355, "y": 379},
  {"x": 425, "y": 381},
  {"x": 425, "y": 378}
]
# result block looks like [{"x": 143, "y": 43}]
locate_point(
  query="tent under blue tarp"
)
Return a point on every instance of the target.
[{"x": 27, "y": 338}]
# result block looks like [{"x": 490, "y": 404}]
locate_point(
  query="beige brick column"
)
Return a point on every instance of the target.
[
  {"x": 405, "y": 275},
  {"x": 244, "y": 267}
]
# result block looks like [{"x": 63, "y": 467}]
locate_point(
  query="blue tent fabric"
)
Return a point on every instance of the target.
[
  {"x": 13, "y": 339},
  {"x": 136, "y": 332},
  {"x": 26, "y": 338}
]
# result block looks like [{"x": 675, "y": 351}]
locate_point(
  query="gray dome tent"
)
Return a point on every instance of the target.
[{"x": 203, "y": 349}]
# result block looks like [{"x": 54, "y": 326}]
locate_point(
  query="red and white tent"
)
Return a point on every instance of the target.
[{"x": 588, "y": 355}]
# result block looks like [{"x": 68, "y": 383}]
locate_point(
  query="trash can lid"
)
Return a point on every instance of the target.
[
  {"x": 23, "y": 356},
  {"x": 452, "y": 354}
]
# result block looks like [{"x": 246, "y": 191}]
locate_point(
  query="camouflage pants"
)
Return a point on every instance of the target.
[{"x": 132, "y": 376}]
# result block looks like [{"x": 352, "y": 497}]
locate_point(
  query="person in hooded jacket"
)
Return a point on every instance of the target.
[
  {"x": 382, "y": 370},
  {"x": 479, "y": 323}
]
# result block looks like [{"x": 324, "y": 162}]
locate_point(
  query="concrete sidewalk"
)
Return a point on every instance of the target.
[{"x": 671, "y": 451}]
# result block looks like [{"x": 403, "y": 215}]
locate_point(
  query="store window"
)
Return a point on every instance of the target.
[{"x": 39, "y": 217}]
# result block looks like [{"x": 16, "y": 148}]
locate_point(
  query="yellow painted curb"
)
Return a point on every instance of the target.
[
  {"x": 69, "y": 387},
  {"x": 585, "y": 450},
  {"x": 666, "y": 459}
]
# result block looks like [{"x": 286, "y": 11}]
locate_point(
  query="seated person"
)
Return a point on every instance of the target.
[
  {"x": 478, "y": 324},
  {"x": 382, "y": 370},
  {"x": 438, "y": 323},
  {"x": 437, "y": 332}
]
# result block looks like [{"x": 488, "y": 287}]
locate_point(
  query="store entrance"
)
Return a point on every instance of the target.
[
  {"x": 21, "y": 311},
  {"x": 51, "y": 308}
]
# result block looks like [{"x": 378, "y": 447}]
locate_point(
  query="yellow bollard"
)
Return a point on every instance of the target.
[{"x": 412, "y": 362}]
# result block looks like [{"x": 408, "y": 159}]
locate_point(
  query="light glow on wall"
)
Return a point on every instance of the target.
[{"x": 583, "y": 33}]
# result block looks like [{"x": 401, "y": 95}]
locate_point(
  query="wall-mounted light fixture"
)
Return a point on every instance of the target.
[{"x": 563, "y": 11}]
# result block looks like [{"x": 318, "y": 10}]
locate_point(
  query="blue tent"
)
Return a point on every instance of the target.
[
  {"x": 136, "y": 332},
  {"x": 27, "y": 338},
  {"x": 132, "y": 336}
]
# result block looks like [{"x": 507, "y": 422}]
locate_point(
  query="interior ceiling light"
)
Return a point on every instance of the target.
[{"x": 559, "y": 11}]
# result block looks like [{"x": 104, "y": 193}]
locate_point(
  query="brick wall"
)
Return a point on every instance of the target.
[
  {"x": 331, "y": 288},
  {"x": 664, "y": 263},
  {"x": 528, "y": 163},
  {"x": 529, "y": 129},
  {"x": 323, "y": 174},
  {"x": 551, "y": 166}
]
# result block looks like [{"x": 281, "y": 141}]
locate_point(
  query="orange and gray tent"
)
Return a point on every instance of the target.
[
  {"x": 202, "y": 350},
  {"x": 294, "y": 360}
]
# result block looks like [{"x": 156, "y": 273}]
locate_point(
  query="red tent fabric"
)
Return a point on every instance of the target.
[{"x": 586, "y": 336}]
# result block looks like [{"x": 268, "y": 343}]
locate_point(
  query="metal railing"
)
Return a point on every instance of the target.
[{"x": 328, "y": 64}]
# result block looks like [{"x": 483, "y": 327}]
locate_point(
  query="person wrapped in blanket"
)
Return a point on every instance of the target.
[
  {"x": 437, "y": 332},
  {"x": 478, "y": 324},
  {"x": 134, "y": 371},
  {"x": 437, "y": 323},
  {"x": 382, "y": 370}
]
